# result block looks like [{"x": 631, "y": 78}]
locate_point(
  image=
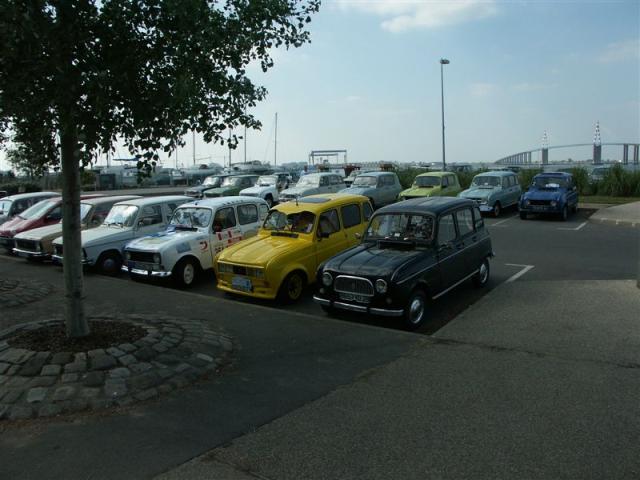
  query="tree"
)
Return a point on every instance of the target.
[
  {"x": 75, "y": 76},
  {"x": 22, "y": 160}
]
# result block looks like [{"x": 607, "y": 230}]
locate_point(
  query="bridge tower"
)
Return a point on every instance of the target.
[
  {"x": 545, "y": 148},
  {"x": 597, "y": 146}
]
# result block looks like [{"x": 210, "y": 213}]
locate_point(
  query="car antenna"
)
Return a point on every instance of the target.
[{"x": 296, "y": 200}]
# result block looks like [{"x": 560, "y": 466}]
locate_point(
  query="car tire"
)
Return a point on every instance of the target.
[
  {"x": 292, "y": 287},
  {"x": 481, "y": 278},
  {"x": 415, "y": 311},
  {"x": 269, "y": 200},
  {"x": 110, "y": 263},
  {"x": 565, "y": 213},
  {"x": 184, "y": 273},
  {"x": 496, "y": 209}
]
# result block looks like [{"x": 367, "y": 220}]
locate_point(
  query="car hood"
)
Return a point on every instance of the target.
[
  {"x": 161, "y": 240},
  {"x": 299, "y": 191},
  {"x": 41, "y": 233},
  {"x": 372, "y": 261},
  {"x": 17, "y": 225},
  {"x": 104, "y": 234},
  {"x": 358, "y": 190},
  {"x": 3, "y": 219},
  {"x": 257, "y": 190},
  {"x": 477, "y": 192},
  {"x": 221, "y": 191},
  {"x": 547, "y": 194},
  {"x": 420, "y": 192},
  {"x": 262, "y": 249}
]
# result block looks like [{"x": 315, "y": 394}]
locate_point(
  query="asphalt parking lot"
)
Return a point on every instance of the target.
[{"x": 526, "y": 250}]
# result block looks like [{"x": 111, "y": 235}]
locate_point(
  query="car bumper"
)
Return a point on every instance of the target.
[
  {"x": 30, "y": 254},
  {"x": 59, "y": 258},
  {"x": 383, "y": 312},
  {"x": 146, "y": 273},
  {"x": 541, "y": 209},
  {"x": 258, "y": 291}
]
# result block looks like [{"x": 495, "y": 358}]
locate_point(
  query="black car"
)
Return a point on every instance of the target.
[
  {"x": 212, "y": 181},
  {"x": 412, "y": 251}
]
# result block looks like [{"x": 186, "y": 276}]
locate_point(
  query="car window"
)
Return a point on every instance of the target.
[
  {"x": 389, "y": 180},
  {"x": 324, "y": 181},
  {"x": 263, "y": 211},
  {"x": 350, "y": 215},
  {"x": 452, "y": 180},
  {"x": 55, "y": 214},
  {"x": 479, "y": 221},
  {"x": 335, "y": 180},
  {"x": 329, "y": 222},
  {"x": 224, "y": 218},
  {"x": 446, "y": 229},
  {"x": 367, "y": 211},
  {"x": 445, "y": 181},
  {"x": 151, "y": 215},
  {"x": 101, "y": 211},
  {"x": 505, "y": 182},
  {"x": 247, "y": 214},
  {"x": 465, "y": 221}
]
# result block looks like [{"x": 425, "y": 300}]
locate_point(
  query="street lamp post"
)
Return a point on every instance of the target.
[{"x": 443, "y": 61}]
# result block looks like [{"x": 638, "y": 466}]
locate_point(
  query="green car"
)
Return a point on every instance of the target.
[
  {"x": 232, "y": 185},
  {"x": 433, "y": 184}
]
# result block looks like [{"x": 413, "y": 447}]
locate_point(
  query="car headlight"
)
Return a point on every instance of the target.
[
  {"x": 527, "y": 203},
  {"x": 225, "y": 268},
  {"x": 38, "y": 247},
  {"x": 381, "y": 286},
  {"x": 483, "y": 201},
  {"x": 127, "y": 255},
  {"x": 327, "y": 279},
  {"x": 156, "y": 258},
  {"x": 553, "y": 203}
]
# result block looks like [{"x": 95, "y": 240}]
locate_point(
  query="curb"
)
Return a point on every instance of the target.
[{"x": 616, "y": 221}]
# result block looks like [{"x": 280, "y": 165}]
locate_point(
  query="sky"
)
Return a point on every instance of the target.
[{"x": 370, "y": 82}]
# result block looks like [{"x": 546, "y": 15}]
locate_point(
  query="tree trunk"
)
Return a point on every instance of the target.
[{"x": 76, "y": 323}]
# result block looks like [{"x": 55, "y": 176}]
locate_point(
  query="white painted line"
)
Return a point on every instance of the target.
[
  {"x": 502, "y": 221},
  {"x": 573, "y": 229},
  {"x": 525, "y": 269}
]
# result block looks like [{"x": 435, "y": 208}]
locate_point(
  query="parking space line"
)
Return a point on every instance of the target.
[
  {"x": 502, "y": 221},
  {"x": 525, "y": 269},
  {"x": 573, "y": 229}
]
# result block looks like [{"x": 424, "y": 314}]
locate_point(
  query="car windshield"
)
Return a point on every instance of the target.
[
  {"x": 365, "y": 181},
  {"x": 308, "y": 181},
  {"x": 400, "y": 226},
  {"x": 267, "y": 180},
  {"x": 5, "y": 206},
  {"x": 299, "y": 222},
  {"x": 231, "y": 182},
  {"x": 427, "y": 181},
  {"x": 38, "y": 210},
  {"x": 485, "y": 181},
  {"x": 191, "y": 217},
  {"x": 122, "y": 215},
  {"x": 212, "y": 181},
  {"x": 550, "y": 182},
  {"x": 85, "y": 208}
]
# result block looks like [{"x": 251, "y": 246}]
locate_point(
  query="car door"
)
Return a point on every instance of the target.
[
  {"x": 225, "y": 226},
  {"x": 248, "y": 219},
  {"x": 352, "y": 223},
  {"x": 451, "y": 263},
  {"x": 330, "y": 239},
  {"x": 150, "y": 220},
  {"x": 54, "y": 216},
  {"x": 469, "y": 239}
]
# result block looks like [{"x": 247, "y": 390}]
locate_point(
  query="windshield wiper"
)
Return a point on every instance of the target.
[{"x": 185, "y": 227}]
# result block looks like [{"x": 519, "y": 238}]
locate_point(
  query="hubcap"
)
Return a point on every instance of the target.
[
  {"x": 484, "y": 273},
  {"x": 295, "y": 287},
  {"x": 496, "y": 209},
  {"x": 416, "y": 310},
  {"x": 188, "y": 274},
  {"x": 109, "y": 265}
]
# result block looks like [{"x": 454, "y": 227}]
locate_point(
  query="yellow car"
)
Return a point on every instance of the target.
[{"x": 295, "y": 238}]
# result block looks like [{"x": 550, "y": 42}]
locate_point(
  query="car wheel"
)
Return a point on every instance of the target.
[
  {"x": 292, "y": 287},
  {"x": 184, "y": 273},
  {"x": 565, "y": 213},
  {"x": 415, "y": 311},
  {"x": 269, "y": 200},
  {"x": 110, "y": 263},
  {"x": 523, "y": 215},
  {"x": 481, "y": 278},
  {"x": 496, "y": 209}
]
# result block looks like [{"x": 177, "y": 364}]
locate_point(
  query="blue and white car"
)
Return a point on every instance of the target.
[
  {"x": 550, "y": 193},
  {"x": 494, "y": 191}
]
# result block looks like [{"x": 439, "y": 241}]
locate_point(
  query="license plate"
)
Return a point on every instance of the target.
[
  {"x": 539, "y": 207},
  {"x": 23, "y": 254},
  {"x": 241, "y": 283}
]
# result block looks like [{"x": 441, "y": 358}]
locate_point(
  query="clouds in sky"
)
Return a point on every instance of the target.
[
  {"x": 620, "y": 51},
  {"x": 402, "y": 15}
]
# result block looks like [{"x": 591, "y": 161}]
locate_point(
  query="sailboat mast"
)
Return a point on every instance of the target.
[{"x": 275, "y": 144}]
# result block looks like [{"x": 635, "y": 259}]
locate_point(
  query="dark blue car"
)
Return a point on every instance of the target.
[{"x": 550, "y": 193}]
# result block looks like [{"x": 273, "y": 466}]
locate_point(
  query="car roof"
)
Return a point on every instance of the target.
[
  {"x": 433, "y": 205},
  {"x": 435, "y": 174},
  {"x": 217, "y": 202},
  {"x": 21, "y": 196},
  {"x": 319, "y": 202},
  {"x": 111, "y": 199},
  {"x": 321, "y": 174},
  {"x": 496, "y": 173},
  {"x": 375, "y": 174},
  {"x": 247, "y": 175},
  {"x": 151, "y": 200},
  {"x": 553, "y": 174}
]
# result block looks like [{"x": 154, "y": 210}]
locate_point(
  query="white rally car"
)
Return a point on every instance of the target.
[
  {"x": 266, "y": 187},
  {"x": 197, "y": 232}
]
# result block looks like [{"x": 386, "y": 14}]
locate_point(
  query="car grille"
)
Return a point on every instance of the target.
[
  {"x": 57, "y": 250},
  {"x": 353, "y": 285},
  {"x": 29, "y": 245},
  {"x": 145, "y": 257},
  {"x": 539, "y": 202},
  {"x": 238, "y": 270}
]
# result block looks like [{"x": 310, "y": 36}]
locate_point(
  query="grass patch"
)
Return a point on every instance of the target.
[{"x": 609, "y": 200}]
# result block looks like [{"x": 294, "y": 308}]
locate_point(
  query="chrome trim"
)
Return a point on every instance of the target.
[
  {"x": 383, "y": 312},
  {"x": 322, "y": 301},
  {"x": 335, "y": 282},
  {"x": 455, "y": 285},
  {"x": 59, "y": 258},
  {"x": 358, "y": 308},
  {"x": 30, "y": 253},
  {"x": 146, "y": 273}
]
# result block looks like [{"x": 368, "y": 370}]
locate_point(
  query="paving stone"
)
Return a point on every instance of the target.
[
  {"x": 165, "y": 373},
  {"x": 127, "y": 347},
  {"x": 115, "y": 389},
  {"x": 4, "y": 411},
  {"x": 178, "y": 381},
  {"x": 103, "y": 362},
  {"x": 90, "y": 392},
  {"x": 93, "y": 379},
  {"x": 168, "y": 359},
  {"x": 77, "y": 405},
  {"x": 4, "y": 346},
  {"x": 80, "y": 357},
  {"x": 62, "y": 358},
  {"x": 43, "y": 381},
  {"x": 49, "y": 410},
  {"x": 32, "y": 367},
  {"x": 75, "y": 367},
  {"x": 51, "y": 370},
  {"x": 121, "y": 372},
  {"x": 144, "y": 381},
  {"x": 124, "y": 401},
  {"x": 160, "y": 347},
  {"x": 127, "y": 360},
  {"x": 165, "y": 388},
  {"x": 182, "y": 367},
  {"x": 4, "y": 367},
  {"x": 146, "y": 394},
  {"x": 226, "y": 344},
  {"x": 12, "y": 396},
  {"x": 36, "y": 394},
  {"x": 4, "y": 378},
  {"x": 13, "y": 370},
  {"x": 140, "y": 367},
  {"x": 20, "y": 412},
  {"x": 17, "y": 382},
  {"x": 63, "y": 393},
  {"x": 115, "y": 352},
  {"x": 101, "y": 403},
  {"x": 43, "y": 356},
  {"x": 69, "y": 377},
  {"x": 17, "y": 355},
  {"x": 140, "y": 343},
  {"x": 204, "y": 357},
  {"x": 95, "y": 353},
  {"x": 145, "y": 354}
]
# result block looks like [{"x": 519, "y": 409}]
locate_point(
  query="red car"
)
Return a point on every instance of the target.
[{"x": 46, "y": 212}]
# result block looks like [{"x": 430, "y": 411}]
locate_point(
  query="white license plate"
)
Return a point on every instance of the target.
[{"x": 241, "y": 283}]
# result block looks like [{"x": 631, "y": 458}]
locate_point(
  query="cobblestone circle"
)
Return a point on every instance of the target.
[
  {"x": 14, "y": 293},
  {"x": 173, "y": 354}
]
